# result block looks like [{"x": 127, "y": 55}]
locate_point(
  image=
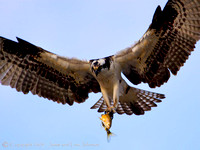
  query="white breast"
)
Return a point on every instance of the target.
[{"x": 108, "y": 78}]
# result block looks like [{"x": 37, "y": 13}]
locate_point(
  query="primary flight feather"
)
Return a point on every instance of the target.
[{"x": 162, "y": 50}]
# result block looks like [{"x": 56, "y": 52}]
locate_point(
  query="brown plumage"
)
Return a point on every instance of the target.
[
  {"x": 136, "y": 101},
  {"x": 175, "y": 31},
  {"x": 31, "y": 69},
  {"x": 163, "y": 49}
]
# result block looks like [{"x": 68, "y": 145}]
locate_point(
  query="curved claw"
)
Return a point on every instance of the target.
[{"x": 110, "y": 110}]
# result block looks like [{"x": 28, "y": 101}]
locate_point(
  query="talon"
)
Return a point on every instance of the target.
[{"x": 110, "y": 109}]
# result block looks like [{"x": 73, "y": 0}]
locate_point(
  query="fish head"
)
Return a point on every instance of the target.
[{"x": 106, "y": 121}]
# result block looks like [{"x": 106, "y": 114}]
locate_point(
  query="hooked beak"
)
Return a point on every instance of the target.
[{"x": 95, "y": 70}]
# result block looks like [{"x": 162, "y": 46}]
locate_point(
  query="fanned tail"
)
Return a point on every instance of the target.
[{"x": 133, "y": 101}]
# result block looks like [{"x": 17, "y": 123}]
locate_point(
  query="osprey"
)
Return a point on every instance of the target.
[{"x": 163, "y": 49}]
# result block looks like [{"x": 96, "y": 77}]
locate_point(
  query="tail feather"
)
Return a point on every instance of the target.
[
  {"x": 98, "y": 103},
  {"x": 135, "y": 101},
  {"x": 138, "y": 101}
]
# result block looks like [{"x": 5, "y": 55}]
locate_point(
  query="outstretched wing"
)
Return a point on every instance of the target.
[
  {"x": 30, "y": 68},
  {"x": 165, "y": 46}
]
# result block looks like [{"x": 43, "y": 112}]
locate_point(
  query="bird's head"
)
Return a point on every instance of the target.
[{"x": 97, "y": 65}]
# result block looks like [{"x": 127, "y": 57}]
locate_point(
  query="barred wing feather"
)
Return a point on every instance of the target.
[
  {"x": 29, "y": 68},
  {"x": 165, "y": 46}
]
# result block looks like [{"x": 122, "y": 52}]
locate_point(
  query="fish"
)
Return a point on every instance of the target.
[{"x": 107, "y": 123}]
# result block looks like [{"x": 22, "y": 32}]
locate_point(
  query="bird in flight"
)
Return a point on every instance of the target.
[{"x": 162, "y": 50}]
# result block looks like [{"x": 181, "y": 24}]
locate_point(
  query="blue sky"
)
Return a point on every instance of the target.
[{"x": 89, "y": 29}]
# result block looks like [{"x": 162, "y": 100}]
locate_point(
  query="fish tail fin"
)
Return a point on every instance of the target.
[{"x": 109, "y": 135}]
